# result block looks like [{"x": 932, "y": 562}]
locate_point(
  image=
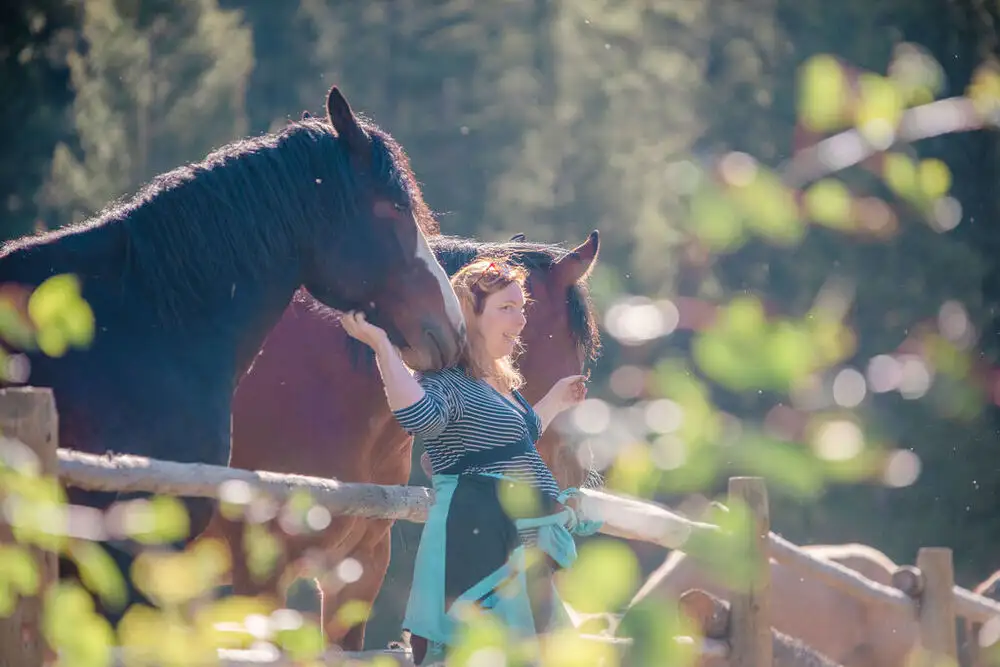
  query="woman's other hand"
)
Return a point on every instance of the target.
[
  {"x": 564, "y": 394},
  {"x": 358, "y": 327}
]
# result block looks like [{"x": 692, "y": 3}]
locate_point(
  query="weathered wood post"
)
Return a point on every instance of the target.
[
  {"x": 750, "y": 609},
  {"x": 938, "y": 642},
  {"x": 28, "y": 415}
]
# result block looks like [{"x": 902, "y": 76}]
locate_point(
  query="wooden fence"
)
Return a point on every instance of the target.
[{"x": 927, "y": 591}]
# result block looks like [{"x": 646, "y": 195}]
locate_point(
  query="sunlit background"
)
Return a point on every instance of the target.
[{"x": 776, "y": 298}]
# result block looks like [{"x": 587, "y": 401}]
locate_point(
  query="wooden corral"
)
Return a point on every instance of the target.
[{"x": 738, "y": 633}]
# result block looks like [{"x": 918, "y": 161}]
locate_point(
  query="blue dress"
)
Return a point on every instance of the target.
[{"x": 472, "y": 553}]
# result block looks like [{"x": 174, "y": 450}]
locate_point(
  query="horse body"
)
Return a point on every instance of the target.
[
  {"x": 313, "y": 404},
  {"x": 186, "y": 279}
]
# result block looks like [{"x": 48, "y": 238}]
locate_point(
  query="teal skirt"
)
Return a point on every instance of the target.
[{"x": 471, "y": 555}]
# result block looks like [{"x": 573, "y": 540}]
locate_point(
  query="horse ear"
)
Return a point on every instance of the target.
[
  {"x": 576, "y": 264},
  {"x": 306, "y": 115},
  {"x": 518, "y": 237},
  {"x": 343, "y": 120}
]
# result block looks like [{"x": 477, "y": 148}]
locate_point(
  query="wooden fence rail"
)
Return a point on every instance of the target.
[
  {"x": 28, "y": 414},
  {"x": 622, "y": 517}
]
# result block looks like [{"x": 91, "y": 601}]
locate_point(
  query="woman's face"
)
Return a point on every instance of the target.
[{"x": 502, "y": 320}]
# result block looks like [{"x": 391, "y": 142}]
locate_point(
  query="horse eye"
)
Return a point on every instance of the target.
[{"x": 387, "y": 209}]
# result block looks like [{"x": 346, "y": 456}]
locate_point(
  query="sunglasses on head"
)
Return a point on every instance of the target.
[{"x": 494, "y": 273}]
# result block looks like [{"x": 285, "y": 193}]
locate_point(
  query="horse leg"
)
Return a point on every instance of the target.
[{"x": 373, "y": 553}]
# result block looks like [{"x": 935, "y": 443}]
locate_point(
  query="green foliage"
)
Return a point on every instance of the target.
[
  {"x": 603, "y": 578},
  {"x": 155, "y": 88},
  {"x": 71, "y": 626},
  {"x": 61, "y": 317},
  {"x": 562, "y": 118}
]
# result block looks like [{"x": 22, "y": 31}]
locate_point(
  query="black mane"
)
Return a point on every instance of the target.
[{"x": 240, "y": 211}]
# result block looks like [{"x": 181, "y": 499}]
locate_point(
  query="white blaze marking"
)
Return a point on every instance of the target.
[{"x": 451, "y": 304}]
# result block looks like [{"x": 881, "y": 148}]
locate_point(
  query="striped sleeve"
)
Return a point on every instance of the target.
[
  {"x": 429, "y": 416},
  {"x": 592, "y": 477},
  {"x": 593, "y": 481}
]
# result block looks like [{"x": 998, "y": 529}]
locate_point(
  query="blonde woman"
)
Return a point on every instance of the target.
[{"x": 479, "y": 434}]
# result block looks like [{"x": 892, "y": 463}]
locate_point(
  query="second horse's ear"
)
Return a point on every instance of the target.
[
  {"x": 306, "y": 115},
  {"x": 576, "y": 264}
]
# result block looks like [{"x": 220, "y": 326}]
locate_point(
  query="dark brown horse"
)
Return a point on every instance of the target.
[
  {"x": 307, "y": 407},
  {"x": 186, "y": 278}
]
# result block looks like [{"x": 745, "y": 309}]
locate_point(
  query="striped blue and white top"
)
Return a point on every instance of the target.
[{"x": 459, "y": 413}]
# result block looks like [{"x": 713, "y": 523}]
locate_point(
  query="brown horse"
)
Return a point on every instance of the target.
[
  {"x": 832, "y": 622},
  {"x": 313, "y": 404}
]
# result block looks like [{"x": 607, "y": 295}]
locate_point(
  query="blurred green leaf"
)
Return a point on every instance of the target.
[
  {"x": 60, "y": 315},
  {"x": 880, "y": 108},
  {"x": 18, "y": 572},
  {"x": 654, "y": 625},
  {"x": 984, "y": 88},
  {"x": 305, "y": 642},
  {"x": 353, "y": 612},
  {"x": 98, "y": 572},
  {"x": 222, "y": 622},
  {"x": 158, "y": 520},
  {"x": 77, "y": 323},
  {"x": 715, "y": 220},
  {"x": 51, "y": 297},
  {"x": 699, "y": 471},
  {"x": 900, "y": 174},
  {"x": 71, "y": 626},
  {"x": 770, "y": 207},
  {"x": 519, "y": 500},
  {"x": 162, "y": 637},
  {"x": 633, "y": 472},
  {"x": 934, "y": 177},
  {"x": 787, "y": 467},
  {"x": 822, "y": 93},
  {"x": 567, "y": 648},
  {"x": 604, "y": 577},
  {"x": 743, "y": 317},
  {"x": 829, "y": 202},
  {"x": 479, "y": 632},
  {"x": 176, "y": 578},
  {"x": 262, "y": 550}
]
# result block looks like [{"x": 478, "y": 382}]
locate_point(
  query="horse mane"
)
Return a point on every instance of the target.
[
  {"x": 454, "y": 252},
  {"x": 242, "y": 210}
]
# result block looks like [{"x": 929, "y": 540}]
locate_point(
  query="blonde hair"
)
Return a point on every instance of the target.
[{"x": 473, "y": 284}]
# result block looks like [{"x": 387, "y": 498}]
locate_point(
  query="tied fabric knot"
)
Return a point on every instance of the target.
[{"x": 576, "y": 525}]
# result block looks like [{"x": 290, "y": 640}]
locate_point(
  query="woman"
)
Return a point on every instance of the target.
[{"x": 479, "y": 434}]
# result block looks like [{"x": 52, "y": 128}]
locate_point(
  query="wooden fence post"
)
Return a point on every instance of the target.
[
  {"x": 938, "y": 644},
  {"x": 28, "y": 414},
  {"x": 750, "y": 608}
]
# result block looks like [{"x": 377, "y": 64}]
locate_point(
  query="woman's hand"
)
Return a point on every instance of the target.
[
  {"x": 567, "y": 392},
  {"x": 564, "y": 394},
  {"x": 358, "y": 327}
]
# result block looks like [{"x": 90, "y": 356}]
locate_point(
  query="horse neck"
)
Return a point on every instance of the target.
[
  {"x": 87, "y": 252},
  {"x": 253, "y": 314},
  {"x": 236, "y": 287}
]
